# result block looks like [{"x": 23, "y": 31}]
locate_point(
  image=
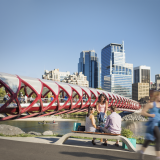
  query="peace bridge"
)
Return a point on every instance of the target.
[{"x": 68, "y": 98}]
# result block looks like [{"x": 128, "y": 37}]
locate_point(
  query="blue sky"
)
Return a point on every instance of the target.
[{"x": 48, "y": 34}]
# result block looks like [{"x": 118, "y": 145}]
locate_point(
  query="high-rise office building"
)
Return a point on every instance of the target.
[
  {"x": 89, "y": 66},
  {"x": 100, "y": 86},
  {"x": 157, "y": 81},
  {"x": 142, "y": 74},
  {"x": 140, "y": 91},
  {"x": 116, "y": 75}
]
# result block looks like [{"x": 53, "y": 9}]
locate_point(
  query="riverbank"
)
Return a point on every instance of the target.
[
  {"x": 45, "y": 118},
  {"x": 126, "y": 116}
]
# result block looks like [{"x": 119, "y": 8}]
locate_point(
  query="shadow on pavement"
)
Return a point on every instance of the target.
[
  {"x": 51, "y": 139},
  {"x": 94, "y": 156},
  {"x": 106, "y": 155},
  {"x": 85, "y": 143},
  {"x": 114, "y": 153},
  {"x": 89, "y": 144},
  {"x": 81, "y": 142}
]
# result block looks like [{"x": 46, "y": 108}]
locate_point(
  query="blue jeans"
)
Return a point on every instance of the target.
[
  {"x": 98, "y": 130},
  {"x": 100, "y": 117}
]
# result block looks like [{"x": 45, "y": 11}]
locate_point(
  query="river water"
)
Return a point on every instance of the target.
[{"x": 63, "y": 127}]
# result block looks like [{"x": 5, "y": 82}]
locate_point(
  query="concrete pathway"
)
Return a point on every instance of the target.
[{"x": 72, "y": 148}]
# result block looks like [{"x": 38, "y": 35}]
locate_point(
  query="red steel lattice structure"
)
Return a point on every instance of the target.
[{"x": 12, "y": 108}]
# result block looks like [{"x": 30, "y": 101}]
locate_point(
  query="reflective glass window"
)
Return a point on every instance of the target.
[
  {"x": 126, "y": 71},
  {"x": 118, "y": 48},
  {"x": 130, "y": 72}
]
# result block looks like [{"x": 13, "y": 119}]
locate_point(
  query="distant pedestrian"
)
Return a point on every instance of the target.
[
  {"x": 84, "y": 99},
  {"x": 31, "y": 99},
  {"x": 65, "y": 98},
  {"x": 25, "y": 99},
  {"x": 20, "y": 97},
  {"x": 52, "y": 98},
  {"x": 6, "y": 97}
]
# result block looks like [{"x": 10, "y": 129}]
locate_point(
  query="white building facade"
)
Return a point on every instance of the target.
[
  {"x": 55, "y": 75},
  {"x": 77, "y": 79}
]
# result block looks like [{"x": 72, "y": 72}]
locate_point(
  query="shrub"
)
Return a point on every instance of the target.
[{"x": 126, "y": 133}]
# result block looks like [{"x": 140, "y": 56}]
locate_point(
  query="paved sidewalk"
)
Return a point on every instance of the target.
[{"x": 40, "y": 148}]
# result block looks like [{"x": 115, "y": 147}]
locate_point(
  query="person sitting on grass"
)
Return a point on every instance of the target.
[
  {"x": 90, "y": 125},
  {"x": 113, "y": 124}
]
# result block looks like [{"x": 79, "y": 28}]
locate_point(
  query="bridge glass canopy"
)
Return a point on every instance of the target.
[{"x": 14, "y": 83}]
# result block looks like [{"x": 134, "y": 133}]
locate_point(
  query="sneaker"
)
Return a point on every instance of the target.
[
  {"x": 93, "y": 142},
  {"x": 140, "y": 155},
  {"x": 117, "y": 145},
  {"x": 105, "y": 144}
]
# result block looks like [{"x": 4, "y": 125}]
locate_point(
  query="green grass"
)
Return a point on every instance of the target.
[{"x": 139, "y": 140}]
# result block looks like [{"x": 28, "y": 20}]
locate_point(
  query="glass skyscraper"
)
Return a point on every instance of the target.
[
  {"x": 116, "y": 75},
  {"x": 89, "y": 66}
]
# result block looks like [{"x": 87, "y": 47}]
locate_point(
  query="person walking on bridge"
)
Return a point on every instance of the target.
[{"x": 153, "y": 125}]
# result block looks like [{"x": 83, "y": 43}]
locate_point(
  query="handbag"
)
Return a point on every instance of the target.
[{"x": 81, "y": 128}]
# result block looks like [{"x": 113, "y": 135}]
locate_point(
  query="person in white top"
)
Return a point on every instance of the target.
[
  {"x": 25, "y": 99},
  {"x": 90, "y": 125},
  {"x": 31, "y": 99}
]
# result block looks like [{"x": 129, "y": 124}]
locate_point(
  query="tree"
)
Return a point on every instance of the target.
[
  {"x": 2, "y": 92},
  {"x": 99, "y": 88}
]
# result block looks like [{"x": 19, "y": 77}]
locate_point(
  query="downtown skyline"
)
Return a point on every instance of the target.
[{"x": 45, "y": 35}]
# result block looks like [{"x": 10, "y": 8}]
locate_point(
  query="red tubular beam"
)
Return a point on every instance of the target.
[{"x": 68, "y": 105}]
